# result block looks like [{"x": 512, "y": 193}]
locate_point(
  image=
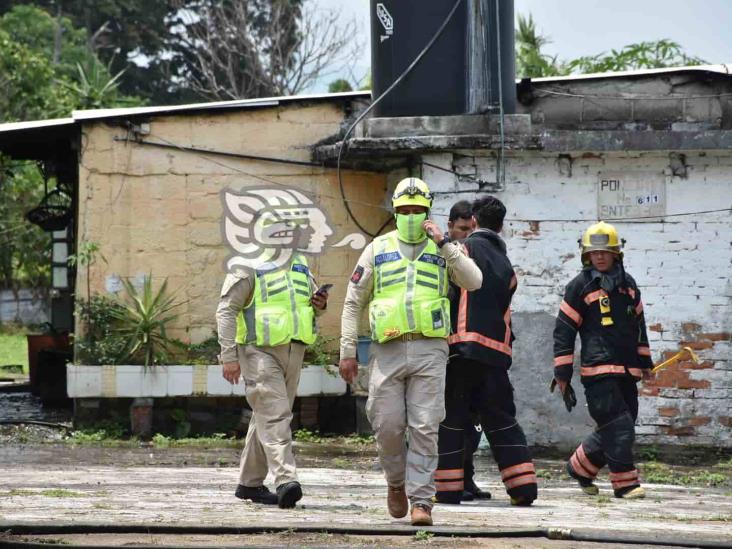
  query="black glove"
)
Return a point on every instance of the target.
[{"x": 569, "y": 396}]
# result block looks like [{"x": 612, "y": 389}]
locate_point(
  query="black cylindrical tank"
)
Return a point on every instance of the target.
[
  {"x": 460, "y": 73},
  {"x": 400, "y": 29}
]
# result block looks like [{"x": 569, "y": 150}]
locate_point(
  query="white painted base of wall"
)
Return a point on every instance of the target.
[{"x": 128, "y": 381}]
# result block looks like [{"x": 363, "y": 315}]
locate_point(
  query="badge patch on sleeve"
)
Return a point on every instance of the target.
[{"x": 357, "y": 274}]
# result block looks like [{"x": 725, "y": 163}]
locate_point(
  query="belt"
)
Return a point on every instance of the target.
[{"x": 412, "y": 336}]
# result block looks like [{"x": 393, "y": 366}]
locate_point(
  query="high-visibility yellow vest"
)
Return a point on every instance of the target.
[
  {"x": 279, "y": 310},
  {"x": 409, "y": 296}
]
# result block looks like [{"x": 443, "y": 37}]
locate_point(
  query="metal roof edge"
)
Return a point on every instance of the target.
[
  {"x": 215, "y": 105},
  {"x": 723, "y": 68},
  {"x": 36, "y": 124}
]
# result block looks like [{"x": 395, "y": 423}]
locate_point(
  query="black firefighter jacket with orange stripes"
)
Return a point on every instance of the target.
[
  {"x": 481, "y": 319},
  {"x": 611, "y": 327}
]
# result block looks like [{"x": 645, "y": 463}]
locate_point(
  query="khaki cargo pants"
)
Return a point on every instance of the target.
[
  {"x": 405, "y": 407},
  {"x": 271, "y": 375}
]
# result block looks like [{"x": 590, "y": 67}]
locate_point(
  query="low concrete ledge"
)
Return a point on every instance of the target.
[
  {"x": 548, "y": 141},
  {"x": 132, "y": 381}
]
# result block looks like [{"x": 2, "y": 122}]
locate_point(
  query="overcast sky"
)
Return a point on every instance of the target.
[{"x": 584, "y": 27}]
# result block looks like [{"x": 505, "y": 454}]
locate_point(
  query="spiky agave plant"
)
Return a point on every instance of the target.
[{"x": 143, "y": 321}]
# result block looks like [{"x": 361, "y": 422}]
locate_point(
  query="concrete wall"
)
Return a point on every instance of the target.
[
  {"x": 159, "y": 211},
  {"x": 30, "y": 307},
  {"x": 682, "y": 267}
]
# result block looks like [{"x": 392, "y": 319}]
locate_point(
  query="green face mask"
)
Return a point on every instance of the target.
[{"x": 410, "y": 228}]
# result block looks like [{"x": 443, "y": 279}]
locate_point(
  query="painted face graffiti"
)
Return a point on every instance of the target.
[{"x": 267, "y": 226}]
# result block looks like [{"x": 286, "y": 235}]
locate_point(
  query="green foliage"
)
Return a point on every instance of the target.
[
  {"x": 340, "y": 85},
  {"x": 46, "y": 77},
  {"x": 99, "y": 343},
  {"x": 648, "y": 453},
  {"x": 660, "y": 473},
  {"x": 61, "y": 493},
  {"x": 206, "y": 352},
  {"x": 13, "y": 351},
  {"x": 103, "y": 431},
  {"x": 96, "y": 88},
  {"x": 25, "y": 250},
  {"x": 217, "y": 440},
  {"x": 143, "y": 323},
  {"x": 531, "y": 62},
  {"x": 320, "y": 352},
  {"x": 36, "y": 30},
  {"x": 423, "y": 536},
  {"x": 305, "y": 435},
  {"x": 643, "y": 55}
]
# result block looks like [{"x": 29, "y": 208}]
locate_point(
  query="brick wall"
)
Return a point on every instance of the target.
[{"x": 682, "y": 267}]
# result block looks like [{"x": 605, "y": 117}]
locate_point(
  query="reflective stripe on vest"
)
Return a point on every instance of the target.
[
  {"x": 601, "y": 369},
  {"x": 464, "y": 336},
  {"x": 280, "y": 308},
  {"x": 409, "y": 296}
]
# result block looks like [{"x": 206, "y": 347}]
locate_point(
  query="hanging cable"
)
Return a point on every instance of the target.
[
  {"x": 501, "y": 167},
  {"x": 434, "y": 214},
  {"x": 371, "y": 107}
]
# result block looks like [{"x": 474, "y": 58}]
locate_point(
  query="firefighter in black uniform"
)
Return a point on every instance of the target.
[
  {"x": 459, "y": 226},
  {"x": 604, "y": 305},
  {"x": 477, "y": 372}
]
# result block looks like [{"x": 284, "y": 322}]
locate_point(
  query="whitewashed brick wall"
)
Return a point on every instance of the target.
[{"x": 682, "y": 266}]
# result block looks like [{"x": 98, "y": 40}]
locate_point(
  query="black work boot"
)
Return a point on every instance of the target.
[
  {"x": 258, "y": 494},
  {"x": 588, "y": 487},
  {"x": 472, "y": 491},
  {"x": 288, "y": 494}
]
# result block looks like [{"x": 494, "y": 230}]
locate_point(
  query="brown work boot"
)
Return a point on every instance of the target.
[
  {"x": 396, "y": 501},
  {"x": 421, "y": 515}
]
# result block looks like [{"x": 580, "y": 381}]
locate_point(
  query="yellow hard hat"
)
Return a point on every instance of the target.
[
  {"x": 412, "y": 191},
  {"x": 601, "y": 237}
]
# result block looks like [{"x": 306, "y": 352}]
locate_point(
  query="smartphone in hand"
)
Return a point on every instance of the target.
[{"x": 324, "y": 289}]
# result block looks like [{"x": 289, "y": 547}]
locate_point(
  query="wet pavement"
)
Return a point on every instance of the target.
[
  {"x": 16, "y": 406},
  {"x": 58, "y": 483}
]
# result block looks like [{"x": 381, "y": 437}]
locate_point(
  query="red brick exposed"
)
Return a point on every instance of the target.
[{"x": 668, "y": 412}]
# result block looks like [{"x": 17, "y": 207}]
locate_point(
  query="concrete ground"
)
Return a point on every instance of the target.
[{"x": 54, "y": 483}]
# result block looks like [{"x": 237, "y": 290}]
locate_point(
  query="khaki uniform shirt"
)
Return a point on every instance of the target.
[
  {"x": 236, "y": 293},
  {"x": 461, "y": 269}
]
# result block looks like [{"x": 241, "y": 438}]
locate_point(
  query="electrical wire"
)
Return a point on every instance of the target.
[
  {"x": 373, "y": 104},
  {"x": 222, "y": 153},
  {"x": 433, "y": 214},
  {"x": 501, "y": 166}
]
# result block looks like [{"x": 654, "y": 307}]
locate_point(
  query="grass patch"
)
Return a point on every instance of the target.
[
  {"x": 660, "y": 473},
  {"x": 13, "y": 351},
  {"x": 50, "y": 493},
  {"x": 61, "y": 493},
  {"x": 217, "y": 440},
  {"x": 305, "y": 435},
  {"x": 17, "y": 492},
  {"x": 423, "y": 536}
]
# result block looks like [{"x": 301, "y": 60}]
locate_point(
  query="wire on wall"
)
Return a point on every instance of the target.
[{"x": 371, "y": 107}]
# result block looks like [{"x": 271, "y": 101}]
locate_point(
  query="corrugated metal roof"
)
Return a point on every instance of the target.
[
  {"x": 724, "y": 69},
  {"x": 235, "y": 104},
  {"x": 97, "y": 114}
]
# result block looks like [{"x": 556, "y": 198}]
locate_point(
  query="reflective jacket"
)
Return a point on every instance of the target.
[
  {"x": 611, "y": 326},
  {"x": 279, "y": 310},
  {"x": 481, "y": 319},
  {"x": 408, "y": 296}
]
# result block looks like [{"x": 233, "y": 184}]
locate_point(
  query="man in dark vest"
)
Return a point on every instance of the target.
[{"x": 477, "y": 374}]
